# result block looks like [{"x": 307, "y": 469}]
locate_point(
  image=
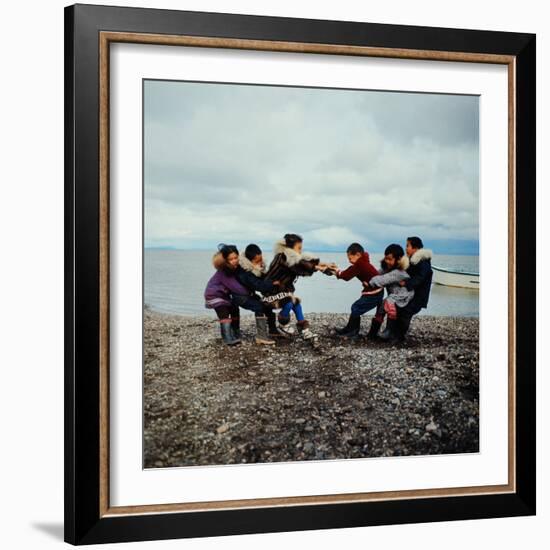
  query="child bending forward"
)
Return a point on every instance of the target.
[
  {"x": 393, "y": 270},
  {"x": 225, "y": 294},
  {"x": 289, "y": 263},
  {"x": 252, "y": 274}
]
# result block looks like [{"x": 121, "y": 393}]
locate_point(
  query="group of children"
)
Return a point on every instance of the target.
[{"x": 242, "y": 280}]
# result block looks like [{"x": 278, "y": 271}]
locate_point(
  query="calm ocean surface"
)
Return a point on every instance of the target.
[{"x": 174, "y": 282}]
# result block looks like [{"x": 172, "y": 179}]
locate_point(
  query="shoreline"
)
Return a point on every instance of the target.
[
  {"x": 210, "y": 314},
  {"x": 209, "y": 404}
]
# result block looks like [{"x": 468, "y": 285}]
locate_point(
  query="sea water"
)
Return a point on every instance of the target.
[{"x": 174, "y": 282}]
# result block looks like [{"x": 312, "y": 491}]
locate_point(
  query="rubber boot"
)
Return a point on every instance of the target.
[
  {"x": 374, "y": 329},
  {"x": 401, "y": 328},
  {"x": 227, "y": 334},
  {"x": 352, "y": 328},
  {"x": 345, "y": 329},
  {"x": 390, "y": 332},
  {"x": 262, "y": 336},
  {"x": 236, "y": 327}
]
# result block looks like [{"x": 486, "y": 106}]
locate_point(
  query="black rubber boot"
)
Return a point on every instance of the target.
[
  {"x": 236, "y": 327},
  {"x": 393, "y": 333},
  {"x": 262, "y": 336},
  {"x": 388, "y": 333},
  {"x": 401, "y": 327},
  {"x": 227, "y": 334},
  {"x": 353, "y": 327},
  {"x": 345, "y": 329},
  {"x": 374, "y": 329}
]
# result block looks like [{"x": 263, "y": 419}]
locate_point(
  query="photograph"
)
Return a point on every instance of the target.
[{"x": 310, "y": 273}]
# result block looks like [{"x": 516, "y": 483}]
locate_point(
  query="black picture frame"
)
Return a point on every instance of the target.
[{"x": 84, "y": 523}]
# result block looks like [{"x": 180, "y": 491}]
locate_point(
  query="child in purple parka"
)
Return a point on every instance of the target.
[{"x": 225, "y": 294}]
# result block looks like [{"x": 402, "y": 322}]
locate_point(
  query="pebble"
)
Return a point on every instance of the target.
[
  {"x": 223, "y": 428},
  {"x": 431, "y": 427}
]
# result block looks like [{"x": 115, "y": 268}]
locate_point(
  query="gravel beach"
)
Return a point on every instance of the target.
[{"x": 206, "y": 403}]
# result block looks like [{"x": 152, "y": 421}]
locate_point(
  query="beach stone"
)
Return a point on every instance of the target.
[
  {"x": 431, "y": 427},
  {"x": 222, "y": 429}
]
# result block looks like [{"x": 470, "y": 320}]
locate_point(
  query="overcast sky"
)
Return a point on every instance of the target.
[{"x": 242, "y": 163}]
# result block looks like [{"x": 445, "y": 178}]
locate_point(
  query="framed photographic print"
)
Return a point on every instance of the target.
[{"x": 298, "y": 282}]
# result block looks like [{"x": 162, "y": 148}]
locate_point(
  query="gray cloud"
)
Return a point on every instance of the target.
[{"x": 250, "y": 163}]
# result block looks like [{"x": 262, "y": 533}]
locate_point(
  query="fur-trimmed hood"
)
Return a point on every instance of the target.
[
  {"x": 247, "y": 265},
  {"x": 292, "y": 257},
  {"x": 421, "y": 254},
  {"x": 403, "y": 263}
]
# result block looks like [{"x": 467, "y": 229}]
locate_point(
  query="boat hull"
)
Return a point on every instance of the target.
[{"x": 455, "y": 278}]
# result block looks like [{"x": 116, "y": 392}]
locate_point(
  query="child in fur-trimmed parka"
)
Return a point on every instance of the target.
[
  {"x": 289, "y": 263},
  {"x": 393, "y": 271},
  {"x": 225, "y": 294},
  {"x": 420, "y": 272},
  {"x": 251, "y": 273}
]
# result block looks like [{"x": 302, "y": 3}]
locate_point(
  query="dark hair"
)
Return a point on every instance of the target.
[
  {"x": 291, "y": 239},
  {"x": 251, "y": 251},
  {"x": 416, "y": 242},
  {"x": 355, "y": 248},
  {"x": 396, "y": 250},
  {"x": 226, "y": 249}
]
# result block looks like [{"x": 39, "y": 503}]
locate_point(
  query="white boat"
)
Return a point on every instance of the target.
[{"x": 459, "y": 279}]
